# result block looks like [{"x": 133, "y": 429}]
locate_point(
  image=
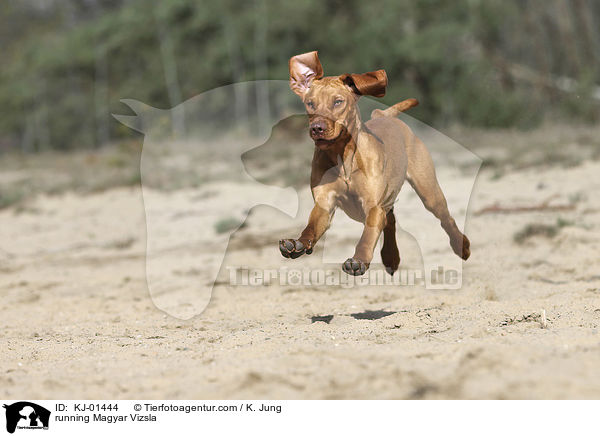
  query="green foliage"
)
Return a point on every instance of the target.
[
  {"x": 227, "y": 224},
  {"x": 67, "y": 65}
]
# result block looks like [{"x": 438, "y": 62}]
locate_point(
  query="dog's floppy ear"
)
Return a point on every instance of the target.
[
  {"x": 304, "y": 69},
  {"x": 371, "y": 83}
]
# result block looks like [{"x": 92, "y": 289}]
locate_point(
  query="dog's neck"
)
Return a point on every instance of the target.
[{"x": 342, "y": 152}]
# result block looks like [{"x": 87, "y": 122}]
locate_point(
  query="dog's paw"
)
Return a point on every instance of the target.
[
  {"x": 391, "y": 259},
  {"x": 293, "y": 248},
  {"x": 462, "y": 247},
  {"x": 355, "y": 267},
  {"x": 466, "y": 248}
]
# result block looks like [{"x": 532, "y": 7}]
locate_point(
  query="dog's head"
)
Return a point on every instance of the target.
[{"x": 331, "y": 101}]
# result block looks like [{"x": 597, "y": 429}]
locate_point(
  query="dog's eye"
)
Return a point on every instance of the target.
[
  {"x": 310, "y": 105},
  {"x": 338, "y": 102}
]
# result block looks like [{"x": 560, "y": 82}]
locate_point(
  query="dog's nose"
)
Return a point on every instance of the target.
[{"x": 317, "y": 128}]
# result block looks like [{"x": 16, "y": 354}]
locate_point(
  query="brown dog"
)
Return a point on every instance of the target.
[{"x": 361, "y": 167}]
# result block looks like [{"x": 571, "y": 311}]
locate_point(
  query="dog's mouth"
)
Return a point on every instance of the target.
[{"x": 324, "y": 143}]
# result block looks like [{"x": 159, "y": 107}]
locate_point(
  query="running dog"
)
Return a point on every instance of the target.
[{"x": 360, "y": 167}]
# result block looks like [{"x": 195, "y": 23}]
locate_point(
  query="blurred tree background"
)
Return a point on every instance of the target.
[{"x": 513, "y": 63}]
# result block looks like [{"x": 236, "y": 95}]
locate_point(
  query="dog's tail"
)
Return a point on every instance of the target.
[{"x": 394, "y": 111}]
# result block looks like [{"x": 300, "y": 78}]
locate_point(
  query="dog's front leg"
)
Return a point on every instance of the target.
[
  {"x": 374, "y": 224},
  {"x": 318, "y": 223}
]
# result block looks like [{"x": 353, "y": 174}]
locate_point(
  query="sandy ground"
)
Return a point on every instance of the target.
[{"x": 77, "y": 320}]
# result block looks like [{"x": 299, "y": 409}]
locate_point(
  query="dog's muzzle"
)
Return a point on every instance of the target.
[{"x": 317, "y": 129}]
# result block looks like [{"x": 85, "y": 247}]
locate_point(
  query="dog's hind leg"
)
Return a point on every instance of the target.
[
  {"x": 421, "y": 175},
  {"x": 389, "y": 252}
]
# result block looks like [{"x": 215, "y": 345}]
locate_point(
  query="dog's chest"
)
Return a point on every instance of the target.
[{"x": 350, "y": 199}]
